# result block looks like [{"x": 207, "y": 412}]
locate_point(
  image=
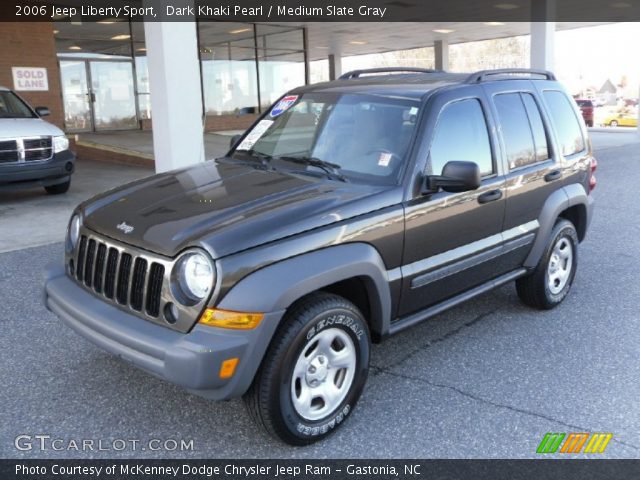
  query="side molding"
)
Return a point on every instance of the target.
[{"x": 277, "y": 286}]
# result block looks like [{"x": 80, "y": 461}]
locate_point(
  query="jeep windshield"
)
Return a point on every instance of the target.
[
  {"x": 358, "y": 137},
  {"x": 12, "y": 107}
]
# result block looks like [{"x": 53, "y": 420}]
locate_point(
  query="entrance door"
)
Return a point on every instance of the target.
[
  {"x": 98, "y": 95},
  {"x": 114, "y": 101},
  {"x": 76, "y": 96}
]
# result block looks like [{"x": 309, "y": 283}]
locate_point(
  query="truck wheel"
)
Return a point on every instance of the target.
[
  {"x": 58, "y": 188},
  {"x": 551, "y": 280},
  {"x": 313, "y": 372}
]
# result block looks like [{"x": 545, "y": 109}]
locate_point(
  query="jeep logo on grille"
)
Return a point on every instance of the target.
[{"x": 125, "y": 227}]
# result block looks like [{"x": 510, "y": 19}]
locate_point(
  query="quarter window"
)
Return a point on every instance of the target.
[
  {"x": 522, "y": 129},
  {"x": 461, "y": 134},
  {"x": 565, "y": 122}
]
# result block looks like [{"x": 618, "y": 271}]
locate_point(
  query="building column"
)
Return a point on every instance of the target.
[
  {"x": 543, "y": 45},
  {"x": 441, "y": 51},
  {"x": 543, "y": 32},
  {"x": 175, "y": 90},
  {"x": 335, "y": 66}
]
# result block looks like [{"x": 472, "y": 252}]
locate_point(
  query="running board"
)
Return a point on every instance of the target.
[{"x": 422, "y": 315}]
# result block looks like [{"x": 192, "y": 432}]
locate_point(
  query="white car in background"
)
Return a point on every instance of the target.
[{"x": 32, "y": 152}]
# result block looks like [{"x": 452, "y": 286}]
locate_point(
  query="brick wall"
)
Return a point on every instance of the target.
[
  {"x": 32, "y": 45},
  {"x": 217, "y": 123}
]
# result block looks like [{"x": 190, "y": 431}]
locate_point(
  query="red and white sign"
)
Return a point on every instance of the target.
[{"x": 30, "y": 79}]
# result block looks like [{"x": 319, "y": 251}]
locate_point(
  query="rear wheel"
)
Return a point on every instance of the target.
[
  {"x": 58, "y": 188},
  {"x": 552, "y": 278},
  {"x": 314, "y": 372},
  {"x": 613, "y": 123}
]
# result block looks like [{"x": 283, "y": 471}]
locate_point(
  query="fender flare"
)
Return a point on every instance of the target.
[
  {"x": 277, "y": 286},
  {"x": 560, "y": 200}
]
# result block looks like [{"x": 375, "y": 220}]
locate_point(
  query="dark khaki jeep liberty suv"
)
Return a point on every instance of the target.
[{"x": 348, "y": 212}]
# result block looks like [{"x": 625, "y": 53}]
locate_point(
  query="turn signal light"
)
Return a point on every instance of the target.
[
  {"x": 592, "y": 178},
  {"x": 228, "y": 319},
  {"x": 228, "y": 367}
]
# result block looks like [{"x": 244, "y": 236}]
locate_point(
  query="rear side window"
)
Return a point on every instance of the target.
[
  {"x": 522, "y": 129},
  {"x": 461, "y": 134},
  {"x": 565, "y": 122}
]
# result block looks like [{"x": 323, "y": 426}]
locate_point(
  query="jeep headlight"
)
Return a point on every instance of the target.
[
  {"x": 60, "y": 144},
  {"x": 74, "y": 231},
  {"x": 193, "y": 277}
]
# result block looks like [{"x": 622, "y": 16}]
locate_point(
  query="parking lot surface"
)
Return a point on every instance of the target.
[{"x": 486, "y": 379}]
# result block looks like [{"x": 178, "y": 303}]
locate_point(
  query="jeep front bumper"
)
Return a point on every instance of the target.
[{"x": 191, "y": 360}]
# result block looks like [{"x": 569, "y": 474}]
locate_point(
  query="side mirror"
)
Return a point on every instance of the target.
[
  {"x": 42, "y": 111},
  {"x": 457, "y": 176},
  {"x": 234, "y": 140}
]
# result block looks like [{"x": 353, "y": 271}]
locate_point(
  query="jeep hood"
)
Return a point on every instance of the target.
[{"x": 225, "y": 207}]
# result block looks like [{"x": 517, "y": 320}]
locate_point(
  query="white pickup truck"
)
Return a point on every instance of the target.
[{"x": 32, "y": 152}]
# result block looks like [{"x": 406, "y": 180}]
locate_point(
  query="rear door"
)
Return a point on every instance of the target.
[
  {"x": 451, "y": 238},
  {"x": 533, "y": 169}
]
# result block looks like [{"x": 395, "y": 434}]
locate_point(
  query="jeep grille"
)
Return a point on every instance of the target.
[
  {"x": 133, "y": 279},
  {"x": 120, "y": 276}
]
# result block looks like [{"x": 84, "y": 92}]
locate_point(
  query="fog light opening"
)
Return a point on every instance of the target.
[
  {"x": 171, "y": 313},
  {"x": 68, "y": 166}
]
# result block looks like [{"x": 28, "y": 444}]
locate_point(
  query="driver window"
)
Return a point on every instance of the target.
[{"x": 461, "y": 134}]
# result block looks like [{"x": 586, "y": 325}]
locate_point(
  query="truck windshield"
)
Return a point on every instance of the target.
[
  {"x": 364, "y": 137},
  {"x": 12, "y": 107}
]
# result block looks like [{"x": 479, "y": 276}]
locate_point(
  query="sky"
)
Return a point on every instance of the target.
[{"x": 588, "y": 56}]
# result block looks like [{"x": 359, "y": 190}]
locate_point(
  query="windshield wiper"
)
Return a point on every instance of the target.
[{"x": 331, "y": 169}]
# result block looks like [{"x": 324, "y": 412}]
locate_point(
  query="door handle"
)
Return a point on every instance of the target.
[
  {"x": 490, "y": 196},
  {"x": 551, "y": 176}
]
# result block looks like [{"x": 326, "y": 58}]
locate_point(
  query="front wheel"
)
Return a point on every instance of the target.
[
  {"x": 552, "y": 278},
  {"x": 613, "y": 123},
  {"x": 58, "y": 188},
  {"x": 314, "y": 372}
]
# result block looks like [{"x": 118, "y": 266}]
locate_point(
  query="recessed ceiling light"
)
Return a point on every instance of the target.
[
  {"x": 74, "y": 47},
  {"x": 55, "y": 32},
  {"x": 494, "y": 24},
  {"x": 239, "y": 30},
  {"x": 621, "y": 5},
  {"x": 106, "y": 22},
  {"x": 443, "y": 30},
  {"x": 357, "y": 42},
  {"x": 141, "y": 49},
  {"x": 121, "y": 37},
  {"x": 506, "y": 6}
]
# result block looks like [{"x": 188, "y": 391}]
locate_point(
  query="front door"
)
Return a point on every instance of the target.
[
  {"x": 98, "y": 95},
  {"x": 452, "y": 238}
]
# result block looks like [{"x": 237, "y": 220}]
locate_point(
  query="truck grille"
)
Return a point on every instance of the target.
[
  {"x": 124, "y": 277},
  {"x": 26, "y": 150}
]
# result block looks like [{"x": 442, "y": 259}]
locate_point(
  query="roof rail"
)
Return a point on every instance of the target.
[
  {"x": 357, "y": 73},
  {"x": 483, "y": 75}
]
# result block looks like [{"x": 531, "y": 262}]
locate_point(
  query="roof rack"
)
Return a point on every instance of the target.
[
  {"x": 483, "y": 75},
  {"x": 357, "y": 73}
]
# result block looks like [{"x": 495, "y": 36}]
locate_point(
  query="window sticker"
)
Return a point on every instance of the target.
[
  {"x": 384, "y": 159},
  {"x": 283, "y": 105},
  {"x": 255, "y": 134}
]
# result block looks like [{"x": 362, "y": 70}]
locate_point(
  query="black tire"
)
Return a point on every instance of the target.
[
  {"x": 58, "y": 188},
  {"x": 534, "y": 289},
  {"x": 270, "y": 398},
  {"x": 613, "y": 123}
]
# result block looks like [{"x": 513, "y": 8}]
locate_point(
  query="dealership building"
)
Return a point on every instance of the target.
[{"x": 179, "y": 79}]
